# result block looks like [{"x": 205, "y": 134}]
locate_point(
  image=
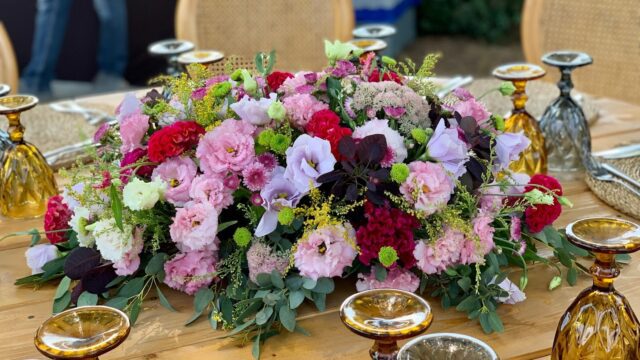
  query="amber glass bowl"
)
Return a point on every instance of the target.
[
  {"x": 600, "y": 323},
  {"x": 446, "y": 346},
  {"x": 85, "y": 332},
  {"x": 386, "y": 316}
]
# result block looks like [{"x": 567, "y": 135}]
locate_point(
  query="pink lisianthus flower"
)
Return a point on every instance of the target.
[
  {"x": 301, "y": 108},
  {"x": 191, "y": 271},
  {"x": 177, "y": 173},
  {"x": 255, "y": 176},
  {"x": 263, "y": 260},
  {"x": 491, "y": 198},
  {"x": 212, "y": 190},
  {"x": 437, "y": 257},
  {"x": 474, "y": 108},
  {"x": 395, "y": 141},
  {"x": 397, "y": 278},
  {"x": 229, "y": 147},
  {"x": 132, "y": 129},
  {"x": 326, "y": 251},
  {"x": 130, "y": 262},
  {"x": 428, "y": 186},
  {"x": 195, "y": 227}
]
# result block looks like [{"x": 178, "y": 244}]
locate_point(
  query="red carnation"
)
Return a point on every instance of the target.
[
  {"x": 325, "y": 124},
  {"x": 57, "y": 218},
  {"x": 386, "y": 226},
  {"x": 388, "y": 76},
  {"x": 173, "y": 140},
  {"x": 276, "y": 78},
  {"x": 541, "y": 215}
]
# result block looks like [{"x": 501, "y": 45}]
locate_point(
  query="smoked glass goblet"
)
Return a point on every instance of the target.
[
  {"x": 85, "y": 332},
  {"x": 386, "y": 316},
  {"x": 600, "y": 323},
  {"x": 26, "y": 180},
  {"x": 533, "y": 159}
]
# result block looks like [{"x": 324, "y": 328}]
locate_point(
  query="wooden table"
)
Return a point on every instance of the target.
[{"x": 160, "y": 334}]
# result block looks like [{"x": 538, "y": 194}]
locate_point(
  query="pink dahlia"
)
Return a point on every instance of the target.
[
  {"x": 195, "y": 227},
  {"x": 262, "y": 259},
  {"x": 177, "y": 173},
  {"x": 56, "y": 219},
  {"x": 397, "y": 278},
  {"x": 229, "y": 147},
  {"x": 301, "y": 108},
  {"x": 428, "y": 186},
  {"x": 326, "y": 251},
  {"x": 435, "y": 258},
  {"x": 191, "y": 271},
  {"x": 212, "y": 190}
]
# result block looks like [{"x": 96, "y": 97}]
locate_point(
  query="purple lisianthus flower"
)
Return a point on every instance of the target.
[
  {"x": 446, "y": 147},
  {"x": 254, "y": 111},
  {"x": 307, "y": 159},
  {"x": 129, "y": 105},
  {"x": 342, "y": 68},
  {"x": 515, "y": 295},
  {"x": 508, "y": 148},
  {"x": 278, "y": 193},
  {"x": 38, "y": 255}
]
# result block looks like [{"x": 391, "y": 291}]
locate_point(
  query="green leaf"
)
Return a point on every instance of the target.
[
  {"x": 134, "y": 311},
  {"x": 87, "y": 299},
  {"x": 272, "y": 62},
  {"x": 320, "y": 300},
  {"x": 276, "y": 279},
  {"x": 255, "y": 350},
  {"x": 564, "y": 257},
  {"x": 226, "y": 307},
  {"x": 495, "y": 322},
  {"x": 296, "y": 298},
  {"x": 259, "y": 62},
  {"x": 238, "y": 329},
  {"x": 116, "y": 206},
  {"x": 116, "y": 281},
  {"x": 202, "y": 299},
  {"x": 468, "y": 304},
  {"x": 225, "y": 225},
  {"x": 35, "y": 236},
  {"x": 264, "y": 279},
  {"x": 484, "y": 322},
  {"x": 287, "y": 318},
  {"x": 53, "y": 267},
  {"x": 380, "y": 273},
  {"x": 572, "y": 276},
  {"x": 294, "y": 282},
  {"x": 553, "y": 236},
  {"x": 163, "y": 299},
  {"x": 195, "y": 316},
  {"x": 132, "y": 288},
  {"x": 62, "y": 302},
  {"x": 451, "y": 271},
  {"x": 555, "y": 282},
  {"x": 324, "y": 286},
  {"x": 464, "y": 283},
  {"x": 117, "y": 302},
  {"x": 156, "y": 264},
  {"x": 309, "y": 284},
  {"x": 263, "y": 315},
  {"x": 301, "y": 330},
  {"x": 212, "y": 321},
  {"x": 574, "y": 249},
  {"x": 623, "y": 258},
  {"x": 249, "y": 311},
  {"x": 63, "y": 287},
  {"x": 271, "y": 299}
]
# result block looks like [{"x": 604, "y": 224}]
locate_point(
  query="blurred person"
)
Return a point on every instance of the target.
[{"x": 50, "y": 25}]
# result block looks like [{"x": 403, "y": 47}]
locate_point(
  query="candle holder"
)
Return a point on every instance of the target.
[
  {"x": 600, "y": 323},
  {"x": 445, "y": 346},
  {"x": 565, "y": 128},
  {"x": 170, "y": 50},
  {"x": 85, "y": 332},
  {"x": 26, "y": 180},
  {"x": 386, "y": 316},
  {"x": 533, "y": 159}
]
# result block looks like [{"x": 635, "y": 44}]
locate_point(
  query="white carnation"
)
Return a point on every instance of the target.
[
  {"x": 140, "y": 195},
  {"x": 112, "y": 243},
  {"x": 78, "y": 223}
]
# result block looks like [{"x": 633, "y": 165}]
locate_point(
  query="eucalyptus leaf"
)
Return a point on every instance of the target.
[
  {"x": 255, "y": 350},
  {"x": 380, "y": 273},
  {"x": 309, "y": 284},
  {"x": 62, "y": 302},
  {"x": 276, "y": 279},
  {"x": 264, "y": 279},
  {"x": 226, "y": 308},
  {"x": 202, "y": 299},
  {"x": 294, "y": 282},
  {"x": 287, "y": 318},
  {"x": 132, "y": 287},
  {"x": 63, "y": 288},
  {"x": 320, "y": 300},
  {"x": 301, "y": 330},
  {"x": 238, "y": 329},
  {"x": 484, "y": 322},
  {"x": 464, "y": 283},
  {"x": 212, "y": 320},
  {"x": 296, "y": 298},
  {"x": 134, "y": 311},
  {"x": 87, "y": 299},
  {"x": 572, "y": 276},
  {"x": 495, "y": 322},
  {"x": 324, "y": 286},
  {"x": 263, "y": 315},
  {"x": 163, "y": 299},
  {"x": 156, "y": 264},
  {"x": 117, "y": 302},
  {"x": 35, "y": 236}
]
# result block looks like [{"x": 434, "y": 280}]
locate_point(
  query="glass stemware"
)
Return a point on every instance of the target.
[
  {"x": 170, "y": 50},
  {"x": 26, "y": 180},
  {"x": 446, "y": 346},
  {"x": 85, "y": 332},
  {"x": 386, "y": 316},
  {"x": 4, "y": 137},
  {"x": 533, "y": 159},
  {"x": 565, "y": 128},
  {"x": 600, "y": 323}
]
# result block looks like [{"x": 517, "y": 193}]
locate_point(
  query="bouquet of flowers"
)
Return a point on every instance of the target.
[{"x": 253, "y": 190}]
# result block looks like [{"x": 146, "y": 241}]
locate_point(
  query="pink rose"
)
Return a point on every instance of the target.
[
  {"x": 428, "y": 186},
  {"x": 326, "y": 251},
  {"x": 229, "y": 147},
  {"x": 178, "y": 173},
  {"x": 189, "y": 272},
  {"x": 195, "y": 227},
  {"x": 212, "y": 190},
  {"x": 132, "y": 129},
  {"x": 397, "y": 278}
]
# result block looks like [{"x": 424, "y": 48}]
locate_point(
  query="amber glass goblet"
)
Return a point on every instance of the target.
[
  {"x": 26, "y": 180},
  {"x": 600, "y": 323},
  {"x": 386, "y": 316},
  {"x": 533, "y": 160},
  {"x": 85, "y": 332}
]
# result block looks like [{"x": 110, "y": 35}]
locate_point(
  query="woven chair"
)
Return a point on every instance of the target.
[
  {"x": 294, "y": 28},
  {"x": 609, "y": 31},
  {"x": 8, "y": 62}
]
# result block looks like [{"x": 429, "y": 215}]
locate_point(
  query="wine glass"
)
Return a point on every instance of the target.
[
  {"x": 85, "y": 332},
  {"x": 170, "y": 50},
  {"x": 533, "y": 159},
  {"x": 26, "y": 180},
  {"x": 565, "y": 128},
  {"x": 600, "y": 323},
  {"x": 386, "y": 316}
]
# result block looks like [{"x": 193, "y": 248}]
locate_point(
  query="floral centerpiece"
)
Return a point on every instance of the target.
[{"x": 252, "y": 191}]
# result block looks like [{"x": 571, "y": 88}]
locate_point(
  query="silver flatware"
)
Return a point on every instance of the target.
[
  {"x": 620, "y": 152},
  {"x": 93, "y": 117},
  {"x": 598, "y": 172},
  {"x": 617, "y": 172}
]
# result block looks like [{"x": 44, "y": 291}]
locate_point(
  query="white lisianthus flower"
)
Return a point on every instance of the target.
[
  {"x": 515, "y": 295},
  {"x": 112, "y": 243},
  {"x": 39, "y": 255},
  {"x": 78, "y": 223},
  {"x": 140, "y": 195}
]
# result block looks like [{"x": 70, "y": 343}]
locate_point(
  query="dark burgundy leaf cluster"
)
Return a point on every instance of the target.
[
  {"x": 480, "y": 142},
  {"x": 85, "y": 264}
]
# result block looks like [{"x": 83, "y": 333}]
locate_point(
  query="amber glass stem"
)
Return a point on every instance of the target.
[
  {"x": 384, "y": 350},
  {"x": 16, "y": 130},
  {"x": 519, "y": 96},
  {"x": 604, "y": 271}
]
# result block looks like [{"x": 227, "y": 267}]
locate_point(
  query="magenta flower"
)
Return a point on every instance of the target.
[
  {"x": 326, "y": 251},
  {"x": 195, "y": 227},
  {"x": 268, "y": 160},
  {"x": 263, "y": 260},
  {"x": 189, "y": 272},
  {"x": 255, "y": 176},
  {"x": 437, "y": 257},
  {"x": 397, "y": 278},
  {"x": 210, "y": 189},
  {"x": 307, "y": 159},
  {"x": 177, "y": 173},
  {"x": 508, "y": 148},
  {"x": 446, "y": 147},
  {"x": 228, "y": 147},
  {"x": 428, "y": 186},
  {"x": 199, "y": 93}
]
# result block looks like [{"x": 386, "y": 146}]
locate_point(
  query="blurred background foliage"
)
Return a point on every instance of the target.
[{"x": 495, "y": 21}]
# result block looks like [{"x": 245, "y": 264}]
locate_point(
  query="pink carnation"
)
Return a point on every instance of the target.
[
  {"x": 189, "y": 272},
  {"x": 262, "y": 259},
  {"x": 131, "y": 260},
  {"x": 326, "y": 251},
  {"x": 301, "y": 108},
  {"x": 178, "y": 173},
  {"x": 194, "y": 227},
  {"x": 474, "y": 108},
  {"x": 229, "y": 147},
  {"x": 428, "y": 186},
  {"x": 211, "y": 189},
  {"x": 397, "y": 278},
  {"x": 132, "y": 129},
  {"x": 474, "y": 250},
  {"x": 437, "y": 257},
  {"x": 255, "y": 176}
]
